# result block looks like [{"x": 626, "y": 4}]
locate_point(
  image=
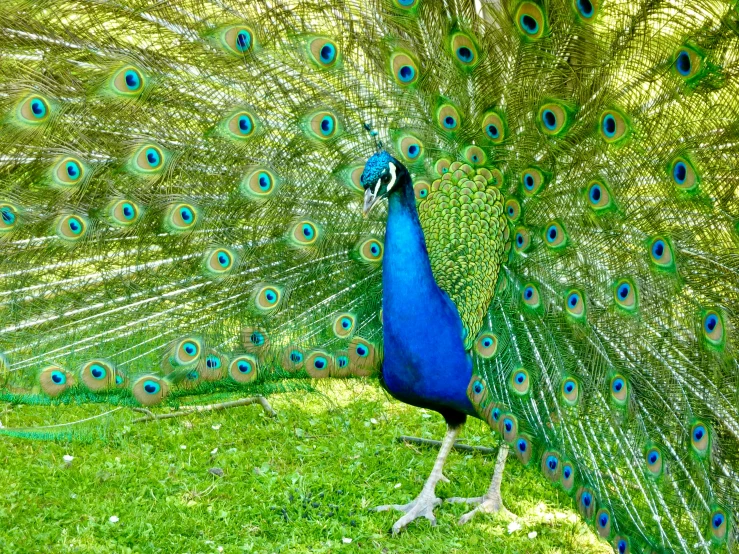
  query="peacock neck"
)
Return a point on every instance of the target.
[{"x": 425, "y": 361}]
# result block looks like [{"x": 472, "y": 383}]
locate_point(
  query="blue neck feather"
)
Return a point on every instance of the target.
[{"x": 425, "y": 361}]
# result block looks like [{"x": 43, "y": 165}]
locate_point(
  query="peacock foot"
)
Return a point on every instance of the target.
[
  {"x": 422, "y": 506},
  {"x": 485, "y": 504}
]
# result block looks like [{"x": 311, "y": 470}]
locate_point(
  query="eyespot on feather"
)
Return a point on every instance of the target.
[
  {"x": 530, "y": 21},
  {"x": 713, "y": 328},
  {"x": 625, "y": 295},
  {"x": 553, "y": 119},
  {"x": 123, "y": 212},
  {"x": 323, "y": 125},
  {"x": 244, "y": 368},
  {"x": 71, "y": 228},
  {"x": 586, "y": 504},
  {"x": 585, "y": 9},
  {"x": 323, "y": 52},
  {"x": 508, "y": 427},
  {"x": 614, "y": 127},
  {"x": 603, "y": 523},
  {"x": 68, "y": 172},
  {"x": 575, "y": 306},
  {"x": 98, "y": 375},
  {"x": 54, "y": 380},
  {"x": 180, "y": 218},
  {"x": 551, "y": 466},
  {"x": 241, "y": 125},
  {"x": 519, "y": 382},
  {"x": 622, "y": 545},
  {"x": 8, "y": 217},
  {"x": 570, "y": 390},
  {"x": 404, "y": 69},
  {"x": 654, "y": 461},
  {"x": 214, "y": 365},
  {"x": 421, "y": 190},
  {"x": 486, "y": 345},
  {"x": 364, "y": 358},
  {"x": 128, "y": 81},
  {"x": 150, "y": 390},
  {"x": 683, "y": 174},
  {"x": 661, "y": 253},
  {"x": 477, "y": 390},
  {"x": 521, "y": 240},
  {"x": 33, "y": 110},
  {"x": 700, "y": 438},
  {"x": 442, "y": 165},
  {"x": 719, "y": 525},
  {"x": 268, "y": 298},
  {"x": 512, "y": 209},
  {"x": 319, "y": 364},
  {"x": 494, "y": 127},
  {"x": 688, "y": 63},
  {"x": 219, "y": 261},
  {"x": 530, "y": 295},
  {"x": 260, "y": 183},
  {"x": 370, "y": 251},
  {"x": 532, "y": 181},
  {"x": 474, "y": 155},
  {"x": 344, "y": 324},
  {"x": 237, "y": 40},
  {"x": 619, "y": 389},
  {"x": 523, "y": 449},
  {"x": 568, "y": 476},
  {"x": 255, "y": 340},
  {"x": 304, "y": 233},
  {"x": 293, "y": 359},
  {"x": 149, "y": 160},
  {"x": 185, "y": 352},
  {"x": 448, "y": 118},
  {"x": 598, "y": 196},
  {"x": 411, "y": 148},
  {"x": 464, "y": 51},
  {"x": 555, "y": 236}
]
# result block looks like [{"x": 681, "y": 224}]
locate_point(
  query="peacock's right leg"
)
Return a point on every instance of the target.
[
  {"x": 423, "y": 505},
  {"x": 492, "y": 502}
]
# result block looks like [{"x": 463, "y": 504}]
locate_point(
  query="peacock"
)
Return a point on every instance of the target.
[{"x": 522, "y": 211}]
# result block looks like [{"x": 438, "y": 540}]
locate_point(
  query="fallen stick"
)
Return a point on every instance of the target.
[
  {"x": 150, "y": 416},
  {"x": 457, "y": 446}
]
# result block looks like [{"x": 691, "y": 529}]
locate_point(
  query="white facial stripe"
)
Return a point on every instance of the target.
[
  {"x": 393, "y": 172},
  {"x": 377, "y": 187}
]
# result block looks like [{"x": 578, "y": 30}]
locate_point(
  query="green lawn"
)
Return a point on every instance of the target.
[{"x": 301, "y": 482}]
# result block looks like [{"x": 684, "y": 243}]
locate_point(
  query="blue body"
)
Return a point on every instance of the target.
[{"x": 425, "y": 363}]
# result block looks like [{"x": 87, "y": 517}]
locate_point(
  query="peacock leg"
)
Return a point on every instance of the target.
[
  {"x": 423, "y": 505},
  {"x": 492, "y": 502}
]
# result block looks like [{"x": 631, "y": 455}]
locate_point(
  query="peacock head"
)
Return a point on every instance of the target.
[{"x": 382, "y": 173}]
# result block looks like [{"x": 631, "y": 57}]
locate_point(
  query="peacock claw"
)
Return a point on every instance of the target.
[
  {"x": 485, "y": 505},
  {"x": 422, "y": 506}
]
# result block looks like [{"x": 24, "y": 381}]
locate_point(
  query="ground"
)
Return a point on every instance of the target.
[{"x": 239, "y": 481}]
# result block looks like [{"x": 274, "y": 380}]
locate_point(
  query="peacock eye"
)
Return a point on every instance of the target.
[{"x": 386, "y": 178}]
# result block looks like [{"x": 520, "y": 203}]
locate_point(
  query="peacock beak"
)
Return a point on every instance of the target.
[{"x": 370, "y": 201}]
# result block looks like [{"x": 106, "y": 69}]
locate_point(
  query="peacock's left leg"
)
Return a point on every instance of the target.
[
  {"x": 492, "y": 502},
  {"x": 423, "y": 505}
]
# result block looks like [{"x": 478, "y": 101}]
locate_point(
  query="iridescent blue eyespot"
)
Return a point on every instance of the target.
[
  {"x": 465, "y": 54},
  {"x": 680, "y": 172},
  {"x": 346, "y": 322},
  {"x": 245, "y": 124},
  {"x": 328, "y": 53},
  {"x": 618, "y": 384},
  {"x": 653, "y": 457},
  {"x": 265, "y": 181},
  {"x": 129, "y": 212},
  {"x": 609, "y": 126},
  {"x": 519, "y": 239},
  {"x": 342, "y": 361},
  {"x": 186, "y": 214},
  {"x": 585, "y": 7},
  {"x": 603, "y": 519},
  {"x": 520, "y": 377},
  {"x": 567, "y": 472},
  {"x": 97, "y": 371},
  {"x": 623, "y": 291},
  {"x": 698, "y": 433},
  {"x": 622, "y": 546},
  {"x": 477, "y": 387},
  {"x": 38, "y": 107},
  {"x": 152, "y": 387},
  {"x": 7, "y": 215},
  {"x": 327, "y": 125},
  {"x": 243, "y": 41},
  {"x": 256, "y": 338},
  {"x": 243, "y": 366},
  {"x": 528, "y": 292},
  {"x": 190, "y": 348},
  {"x": 492, "y": 131},
  {"x": 153, "y": 157},
  {"x": 362, "y": 351},
  {"x": 320, "y": 362},
  {"x": 73, "y": 170},
  {"x": 522, "y": 445},
  {"x": 573, "y": 299},
  {"x": 683, "y": 63},
  {"x": 413, "y": 151},
  {"x": 487, "y": 342},
  {"x": 552, "y": 462},
  {"x": 595, "y": 194},
  {"x": 718, "y": 520},
  {"x": 658, "y": 249},
  {"x": 508, "y": 424},
  {"x": 296, "y": 357},
  {"x": 549, "y": 119},
  {"x": 212, "y": 362},
  {"x": 406, "y": 73},
  {"x": 710, "y": 323},
  {"x": 586, "y": 499},
  {"x": 528, "y": 181},
  {"x": 450, "y": 122},
  {"x": 529, "y": 24},
  {"x": 496, "y": 414},
  {"x": 132, "y": 79},
  {"x": 552, "y": 233},
  {"x": 58, "y": 377}
]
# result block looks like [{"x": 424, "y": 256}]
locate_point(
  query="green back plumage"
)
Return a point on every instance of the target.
[{"x": 181, "y": 206}]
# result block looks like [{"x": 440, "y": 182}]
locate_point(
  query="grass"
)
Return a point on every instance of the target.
[{"x": 302, "y": 482}]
